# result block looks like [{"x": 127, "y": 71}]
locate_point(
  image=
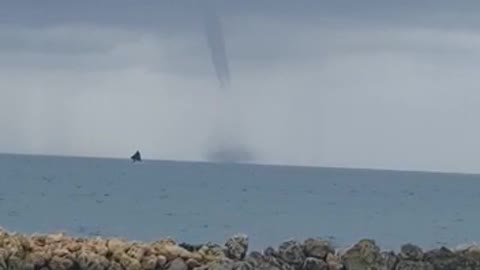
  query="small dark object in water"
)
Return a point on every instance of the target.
[
  {"x": 136, "y": 157},
  {"x": 189, "y": 247}
]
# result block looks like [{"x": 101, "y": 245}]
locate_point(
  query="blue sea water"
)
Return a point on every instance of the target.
[{"x": 200, "y": 202}]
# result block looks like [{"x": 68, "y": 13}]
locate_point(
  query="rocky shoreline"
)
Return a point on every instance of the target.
[{"x": 61, "y": 252}]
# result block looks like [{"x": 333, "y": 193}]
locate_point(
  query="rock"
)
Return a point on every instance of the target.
[
  {"x": 236, "y": 247},
  {"x": 365, "y": 255},
  {"x": 391, "y": 260},
  {"x": 314, "y": 264},
  {"x": 334, "y": 262},
  {"x": 14, "y": 247},
  {"x": 291, "y": 252},
  {"x": 170, "y": 250},
  {"x": 3, "y": 234},
  {"x": 472, "y": 252},
  {"x": 3, "y": 259},
  {"x": 243, "y": 266},
  {"x": 136, "y": 251},
  {"x": 218, "y": 265},
  {"x": 84, "y": 259},
  {"x": 116, "y": 246},
  {"x": 88, "y": 260},
  {"x": 114, "y": 266},
  {"x": 262, "y": 262},
  {"x": 210, "y": 253},
  {"x": 38, "y": 259},
  {"x": 469, "y": 258},
  {"x": 38, "y": 240},
  {"x": 441, "y": 259},
  {"x": 15, "y": 263},
  {"x": 28, "y": 266},
  {"x": 414, "y": 265},
  {"x": 149, "y": 262},
  {"x": 23, "y": 241},
  {"x": 445, "y": 259},
  {"x": 57, "y": 252},
  {"x": 99, "y": 246},
  {"x": 161, "y": 261},
  {"x": 270, "y": 251},
  {"x": 254, "y": 257},
  {"x": 55, "y": 238},
  {"x": 60, "y": 263},
  {"x": 192, "y": 263},
  {"x": 63, "y": 253},
  {"x": 128, "y": 262},
  {"x": 73, "y": 246},
  {"x": 317, "y": 248},
  {"x": 177, "y": 264},
  {"x": 411, "y": 252}
]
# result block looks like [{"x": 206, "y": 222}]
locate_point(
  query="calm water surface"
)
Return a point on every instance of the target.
[{"x": 199, "y": 202}]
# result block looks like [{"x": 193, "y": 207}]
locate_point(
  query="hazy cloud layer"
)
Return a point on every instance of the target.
[{"x": 366, "y": 85}]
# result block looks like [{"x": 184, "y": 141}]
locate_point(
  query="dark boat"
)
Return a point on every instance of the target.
[{"x": 136, "y": 157}]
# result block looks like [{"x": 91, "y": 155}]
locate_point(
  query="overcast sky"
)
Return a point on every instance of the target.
[{"x": 376, "y": 84}]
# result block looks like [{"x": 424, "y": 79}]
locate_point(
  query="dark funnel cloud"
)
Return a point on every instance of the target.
[{"x": 216, "y": 43}]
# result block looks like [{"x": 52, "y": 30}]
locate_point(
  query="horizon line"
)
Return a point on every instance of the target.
[{"x": 259, "y": 164}]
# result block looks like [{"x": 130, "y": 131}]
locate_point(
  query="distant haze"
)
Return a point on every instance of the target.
[{"x": 371, "y": 84}]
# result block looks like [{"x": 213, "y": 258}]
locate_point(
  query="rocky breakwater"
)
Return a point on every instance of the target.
[{"x": 60, "y": 252}]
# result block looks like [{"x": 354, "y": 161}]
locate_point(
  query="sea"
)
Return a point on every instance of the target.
[{"x": 200, "y": 202}]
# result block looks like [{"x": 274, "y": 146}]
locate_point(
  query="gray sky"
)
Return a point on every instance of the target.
[{"x": 377, "y": 84}]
